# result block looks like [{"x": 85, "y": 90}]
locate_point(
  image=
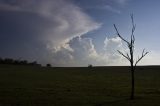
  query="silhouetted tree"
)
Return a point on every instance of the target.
[
  {"x": 130, "y": 56},
  {"x": 23, "y": 62},
  {"x": 48, "y": 65},
  {"x": 1, "y": 60},
  {"x": 17, "y": 62},
  {"x": 33, "y": 63},
  {"x": 8, "y": 61},
  {"x": 90, "y": 65}
]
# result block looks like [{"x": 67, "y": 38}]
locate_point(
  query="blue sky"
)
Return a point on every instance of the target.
[{"x": 78, "y": 32}]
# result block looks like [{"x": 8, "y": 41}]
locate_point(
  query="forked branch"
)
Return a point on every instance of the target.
[
  {"x": 143, "y": 54},
  {"x": 126, "y": 56},
  {"x": 130, "y": 56}
]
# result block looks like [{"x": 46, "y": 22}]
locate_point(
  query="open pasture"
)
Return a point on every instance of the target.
[{"x": 97, "y": 86}]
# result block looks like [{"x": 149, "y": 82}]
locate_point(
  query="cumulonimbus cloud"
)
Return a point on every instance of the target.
[
  {"x": 52, "y": 23},
  {"x": 51, "y": 31},
  {"x": 66, "y": 20},
  {"x": 82, "y": 52}
]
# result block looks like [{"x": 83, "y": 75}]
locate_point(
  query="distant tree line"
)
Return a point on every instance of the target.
[{"x": 18, "y": 62}]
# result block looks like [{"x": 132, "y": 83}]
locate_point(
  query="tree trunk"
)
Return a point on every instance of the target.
[
  {"x": 129, "y": 56},
  {"x": 132, "y": 79}
]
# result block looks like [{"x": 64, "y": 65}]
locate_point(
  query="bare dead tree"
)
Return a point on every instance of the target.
[{"x": 130, "y": 56}]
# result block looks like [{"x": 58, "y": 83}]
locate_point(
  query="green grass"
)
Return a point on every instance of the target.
[{"x": 98, "y": 86}]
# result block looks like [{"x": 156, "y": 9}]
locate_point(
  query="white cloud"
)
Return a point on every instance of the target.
[
  {"x": 111, "y": 45},
  {"x": 71, "y": 22},
  {"x": 114, "y": 6},
  {"x": 61, "y": 27},
  {"x": 105, "y": 7},
  {"x": 66, "y": 19},
  {"x": 54, "y": 23},
  {"x": 112, "y": 9},
  {"x": 121, "y": 2},
  {"x": 83, "y": 52},
  {"x": 115, "y": 42}
]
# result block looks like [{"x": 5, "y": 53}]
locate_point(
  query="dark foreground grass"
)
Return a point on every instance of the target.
[{"x": 98, "y": 86}]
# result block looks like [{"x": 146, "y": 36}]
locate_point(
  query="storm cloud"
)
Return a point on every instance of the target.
[
  {"x": 30, "y": 25},
  {"x": 50, "y": 31}
]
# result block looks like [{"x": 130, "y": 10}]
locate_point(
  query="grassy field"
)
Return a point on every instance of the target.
[{"x": 98, "y": 86}]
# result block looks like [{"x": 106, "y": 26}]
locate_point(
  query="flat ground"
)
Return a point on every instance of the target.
[{"x": 98, "y": 86}]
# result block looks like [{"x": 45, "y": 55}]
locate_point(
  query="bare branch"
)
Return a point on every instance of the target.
[
  {"x": 127, "y": 57},
  {"x": 133, "y": 39},
  {"x": 133, "y": 29},
  {"x": 143, "y": 51},
  {"x": 130, "y": 56},
  {"x": 120, "y": 35},
  {"x": 143, "y": 54}
]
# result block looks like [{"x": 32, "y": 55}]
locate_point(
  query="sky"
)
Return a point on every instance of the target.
[{"x": 68, "y": 33}]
